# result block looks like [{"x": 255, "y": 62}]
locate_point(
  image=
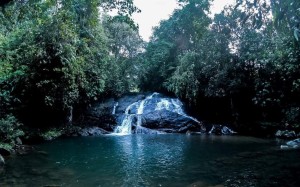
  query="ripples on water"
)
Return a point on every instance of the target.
[{"x": 155, "y": 160}]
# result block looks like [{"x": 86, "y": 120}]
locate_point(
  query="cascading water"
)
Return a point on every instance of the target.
[
  {"x": 126, "y": 125},
  {"x": 173, "y": 105},
  {"x": 134, "y": 113},
  {"x": 114, "y": 109},
  {"x": 128, "y": 121}
]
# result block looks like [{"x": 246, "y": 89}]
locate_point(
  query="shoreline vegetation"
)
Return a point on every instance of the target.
[{"x": 58, "y": 58}]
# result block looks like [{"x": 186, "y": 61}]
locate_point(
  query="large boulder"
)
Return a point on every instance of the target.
[
  {"x": 169, "y": 121},
  {"x": 145, "y": 113}
]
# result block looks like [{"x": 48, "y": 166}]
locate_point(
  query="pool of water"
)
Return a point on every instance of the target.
[{"x": 155, "y": 160}]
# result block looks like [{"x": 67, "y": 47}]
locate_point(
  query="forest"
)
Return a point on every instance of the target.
[{"x": 58, "y": 57}]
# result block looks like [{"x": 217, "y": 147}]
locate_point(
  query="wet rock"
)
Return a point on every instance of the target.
[
  {"x": 83, "y": 133},
  {"x": 104, "y": 114},
  {"x": 96, "y": 131},
  {"x": 92, "y": 131},
  {"x": 221, "y": 130},
  {"x": 294, "y": 144},
  {"x": 285, "y": 134},
  {"x": 155, "y": 112},
  {"x": 127, "y": 100},
  {"x": 165, "y": 119},
  {"x": 100, "y": 115},
  {"x": 159, "y": 114}
]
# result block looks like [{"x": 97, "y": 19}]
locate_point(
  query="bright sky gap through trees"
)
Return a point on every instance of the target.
[{"x": 153, "y": 11}]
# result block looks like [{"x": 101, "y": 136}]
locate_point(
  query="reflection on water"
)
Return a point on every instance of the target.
[
  {"x": 140, "y": 162},
  {"x": 155, "y": 160}
]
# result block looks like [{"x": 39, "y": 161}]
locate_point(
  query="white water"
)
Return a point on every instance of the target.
[
  {"x": 115, "y": 106},
  {"x": 126, "y": 125},
  {"x": 173, "y": 105}
]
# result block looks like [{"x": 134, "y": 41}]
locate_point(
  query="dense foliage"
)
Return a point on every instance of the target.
[
  {"x": 56, "y": 56},
  {"x": 242, "y": 66}
]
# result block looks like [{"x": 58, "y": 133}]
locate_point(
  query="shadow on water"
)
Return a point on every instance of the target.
[{"x": 155, "y": 160}]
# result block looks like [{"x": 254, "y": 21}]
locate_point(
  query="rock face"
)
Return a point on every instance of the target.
[
  {"x": 100, "y": 114},
  {"x": 169, "y": 121},
  {"x": 143, "y": 113}
]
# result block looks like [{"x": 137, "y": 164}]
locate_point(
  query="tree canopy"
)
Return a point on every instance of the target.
[
  {"x": 246, "y": 58},
  {"x": 56, "y": 57}
]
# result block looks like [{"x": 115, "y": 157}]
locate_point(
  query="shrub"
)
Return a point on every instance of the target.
[{"x": 10, "y": 129}]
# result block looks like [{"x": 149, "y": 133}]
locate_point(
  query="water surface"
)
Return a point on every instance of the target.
[{"x": 155, "y": 160}]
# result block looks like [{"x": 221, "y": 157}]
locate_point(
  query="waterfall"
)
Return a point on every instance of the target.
[
  {"x": 114, "y": 109},
  {"x": 128, "y": 121},
  {"x": 125, "y": 127},
  {"x": 133, "y": 115}
]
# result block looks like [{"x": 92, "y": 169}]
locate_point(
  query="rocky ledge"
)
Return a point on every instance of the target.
[{"x": 146, "y": 113}]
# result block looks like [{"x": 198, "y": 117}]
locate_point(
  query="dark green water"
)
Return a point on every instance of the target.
[{"x": 155, "y": 160}]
